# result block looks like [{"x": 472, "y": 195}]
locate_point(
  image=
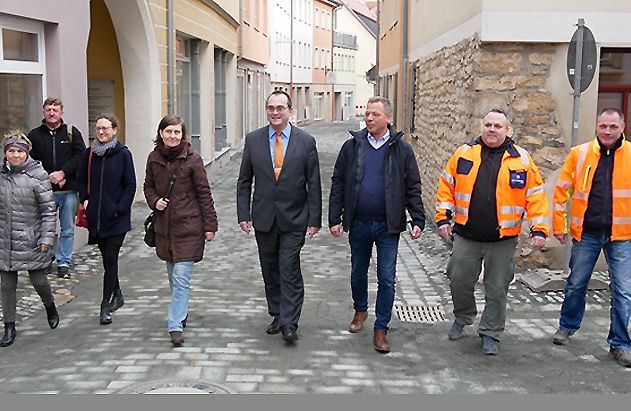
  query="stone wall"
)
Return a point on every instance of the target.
[
  {"x": 443, "y": 101},
  {"x": 456, "y": 86},
  {"x": 512, "y": 77}
]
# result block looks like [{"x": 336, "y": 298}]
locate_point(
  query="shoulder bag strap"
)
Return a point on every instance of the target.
[
  {"x": 69, "y": 131},
  {"x": 173, "y": 177},
  {"x": 89, "y": 168}
]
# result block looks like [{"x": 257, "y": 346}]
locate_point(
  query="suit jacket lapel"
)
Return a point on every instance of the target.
[
  {"x": 291, "y": 146},
  {"x": 265, "y": 149}
]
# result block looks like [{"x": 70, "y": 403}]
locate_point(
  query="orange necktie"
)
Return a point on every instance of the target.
[{"x": 278, "y": 155}]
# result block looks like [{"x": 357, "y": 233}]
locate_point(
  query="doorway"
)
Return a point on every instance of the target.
[{"x": 614, "y": 82}]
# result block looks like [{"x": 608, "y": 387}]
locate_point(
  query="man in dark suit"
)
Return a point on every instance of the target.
[{"x": 282, "y": 161}]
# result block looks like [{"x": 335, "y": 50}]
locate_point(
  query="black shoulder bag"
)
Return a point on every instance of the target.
[{"x": 150, "y": 233}]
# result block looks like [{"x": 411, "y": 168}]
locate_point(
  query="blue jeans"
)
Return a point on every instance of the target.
[
  {"x": 67, "y": 205},
  {"x": 363, "y": 235},
  {"x": 582, "y": 262},
  {"x": 180, "y": 283}
]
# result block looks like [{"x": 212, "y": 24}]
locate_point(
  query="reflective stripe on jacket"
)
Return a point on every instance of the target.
[
  {"x": 575, "y": 181},
  {"x": 519, "y": 190}
]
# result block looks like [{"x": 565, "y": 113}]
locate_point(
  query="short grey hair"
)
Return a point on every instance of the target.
[
  {"x": 387, "y": 106},
  {"x": 611, "y": 110}
]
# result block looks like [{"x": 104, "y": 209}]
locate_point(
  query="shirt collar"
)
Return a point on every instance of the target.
[
  {"x": 285, "y": 133},
  {"x": 382, "y": 140}
]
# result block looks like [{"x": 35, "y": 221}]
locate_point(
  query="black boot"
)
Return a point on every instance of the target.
[
  {"x": 9, "y": 334},
  {"x": 117, "y": 300},
  {"x": 53, "y": 315},
  {"x": 105, "y": 317},
  {"x": 184, "y": 321}
]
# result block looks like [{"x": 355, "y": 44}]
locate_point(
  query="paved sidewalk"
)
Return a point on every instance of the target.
[{"x": 226, "y": 343}]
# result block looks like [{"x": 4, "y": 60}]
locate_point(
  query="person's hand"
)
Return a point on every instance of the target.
[
  {"x": 246, "y": 226},
  {"x": 209, "y": 235},
  {"x": 61, "y": 183},
  {"x": 444, "y": 231},
  {"x": 416, "y": 232},
  {"x": 336, "y": 230},
  {"x": 537, "y": 241},
  {"x": 57, "y": 176},
  {"x": 162, "y": 203},
  {"x": 312, "y": 231},
  {"x": 44, "y": 248},
  {"x": 561, "y": 237}
]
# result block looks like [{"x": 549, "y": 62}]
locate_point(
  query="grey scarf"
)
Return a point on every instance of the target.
[{"x": 99, "y": 148}]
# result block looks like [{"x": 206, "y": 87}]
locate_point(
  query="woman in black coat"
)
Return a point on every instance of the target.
[{"x": 107, "y": 185}]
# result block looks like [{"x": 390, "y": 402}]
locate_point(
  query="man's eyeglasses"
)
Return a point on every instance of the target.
[
  {"x": 101, "y": 129},
  {"x": 279, "y": 109}
]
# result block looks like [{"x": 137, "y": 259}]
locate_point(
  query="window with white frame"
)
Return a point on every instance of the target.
[
  {"x": 310, "y": 16},
  {"x": 183, "y": 78},
  {"x": 317, "y": 106},
  {"x": 22, "y": 70},
  {"x": 300, "y": 9},
  {"x": 187, "y": 78},
  {"x": 300, "y": 54}
]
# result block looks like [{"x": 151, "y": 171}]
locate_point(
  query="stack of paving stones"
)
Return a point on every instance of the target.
[{"x": 226, "y": 343}]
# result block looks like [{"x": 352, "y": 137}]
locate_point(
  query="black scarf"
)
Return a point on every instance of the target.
[{"x": 170, "y": 153}]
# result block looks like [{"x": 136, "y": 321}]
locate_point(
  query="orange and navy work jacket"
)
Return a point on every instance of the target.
[
  {"x": 519, "y": 190},
  {"x": 575, "y": 181}
]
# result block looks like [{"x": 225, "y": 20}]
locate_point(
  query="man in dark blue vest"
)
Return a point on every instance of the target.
[{"x": 375, "y": 180}]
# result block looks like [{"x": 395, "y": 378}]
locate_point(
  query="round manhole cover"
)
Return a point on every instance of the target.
[{"x": 177, "y": 387}]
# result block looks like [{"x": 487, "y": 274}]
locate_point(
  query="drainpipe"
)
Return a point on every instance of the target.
[
  {"x": 240, "y": 45},
  {"x": 170, "y": 59},
  {"x": 378, "y": 79},
  {"x": 404, "y": 69},
  {"x": 333, "y": 112},
  {"x": 291, "y": 49}
]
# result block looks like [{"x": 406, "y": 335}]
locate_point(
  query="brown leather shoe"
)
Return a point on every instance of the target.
[
  {"x": 381, "y": 342},
  {"x": 358, "y": 321},
  {"x": 177, "y": 339}
]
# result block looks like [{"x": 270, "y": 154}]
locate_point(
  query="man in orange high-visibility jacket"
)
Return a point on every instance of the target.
[
  {"x": 597, "y": 175},
  {"x": 487, "y": 187}
]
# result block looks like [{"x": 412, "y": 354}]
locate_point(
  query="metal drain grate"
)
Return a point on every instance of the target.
[
  {"x": 420, "y": 313},
  {"x": 177, "y": 386}
]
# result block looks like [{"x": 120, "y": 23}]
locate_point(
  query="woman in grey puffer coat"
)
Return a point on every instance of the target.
[{"x": 27, "y": 230}]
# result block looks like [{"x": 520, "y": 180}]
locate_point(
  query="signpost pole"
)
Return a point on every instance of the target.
[
  {"x": 581, "y": 64},
  {"x": 577, "y": 79}
]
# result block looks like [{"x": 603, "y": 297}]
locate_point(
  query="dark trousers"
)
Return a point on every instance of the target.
[
  {"x": 9, "y": 280},
  {"x": 279, "y": 254},
  {"x": 110, "y": 247}
]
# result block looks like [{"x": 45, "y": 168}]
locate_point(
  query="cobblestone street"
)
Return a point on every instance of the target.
[{"x": 226, "y": 343}]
